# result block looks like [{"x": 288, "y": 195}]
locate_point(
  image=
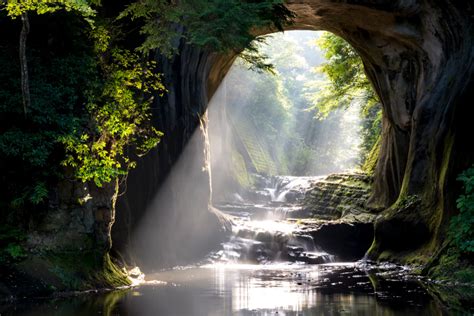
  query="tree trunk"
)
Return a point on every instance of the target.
[{"x": 25, "y": 85}]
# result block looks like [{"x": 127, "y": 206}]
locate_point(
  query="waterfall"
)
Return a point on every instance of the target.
[{"x": 263, "y": 233}]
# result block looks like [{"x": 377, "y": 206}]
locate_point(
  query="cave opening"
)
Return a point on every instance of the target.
[
  {"x": 278, "y": 137},
  {"x": 268, "y": 144}
]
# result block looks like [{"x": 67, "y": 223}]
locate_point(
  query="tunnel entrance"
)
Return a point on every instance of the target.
[{"x": 269, "y": 148}]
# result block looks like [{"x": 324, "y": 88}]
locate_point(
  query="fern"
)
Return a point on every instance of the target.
[{"x": 461, "y": 228}]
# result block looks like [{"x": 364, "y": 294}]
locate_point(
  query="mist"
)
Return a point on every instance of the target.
[
  {"x": 264, "y": 124},
  {"x": 178, "y": 227},
  {"x": 260, "y": 125}
]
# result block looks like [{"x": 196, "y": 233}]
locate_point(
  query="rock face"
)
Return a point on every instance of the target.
[
  {"x": 337, "y": 217},
  {"x": 419, "y": 56},
  {"x": 163, "y": 218},
  {"x": 80, "y": 219},
  {"x": 67, "y": 248},
  {"x": 340, "y": 196}
]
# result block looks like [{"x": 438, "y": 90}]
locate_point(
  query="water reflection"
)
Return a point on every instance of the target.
[{"x": 283, "y": 289}]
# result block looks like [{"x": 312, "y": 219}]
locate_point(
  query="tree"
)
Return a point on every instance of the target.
[
  {"x": 344, "y": 83},
  {"x": 20, "y": 8},
  {"x": 461, "y": 229},
  {"x": 345, "y": 80},
  {"x": 25, "y": 85}
]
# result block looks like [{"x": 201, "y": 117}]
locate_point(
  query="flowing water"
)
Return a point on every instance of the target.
[
  {"x": 268, "y": 266},
  {"x": 262, "y": 232}
]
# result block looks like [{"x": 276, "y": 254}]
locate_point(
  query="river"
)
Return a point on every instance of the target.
[{"x": 268, "y": 266}]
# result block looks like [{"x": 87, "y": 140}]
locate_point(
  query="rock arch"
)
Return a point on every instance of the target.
[{"x": 418, "y": 54}]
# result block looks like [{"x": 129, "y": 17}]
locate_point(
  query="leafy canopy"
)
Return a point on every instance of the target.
[
  {"x": 15, "y": 8},
  {"x": 219, "y": 25},
  {"x": 345, "y": 78},
  {"x": 344, "y": 83},
  {"x": 121, "y": 117}
]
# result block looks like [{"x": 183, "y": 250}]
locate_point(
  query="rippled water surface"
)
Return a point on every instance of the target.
[{"x": 276, "y": 289}]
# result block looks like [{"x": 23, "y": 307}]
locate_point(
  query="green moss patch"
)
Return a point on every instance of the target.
[{"x": 52, "y": 272}]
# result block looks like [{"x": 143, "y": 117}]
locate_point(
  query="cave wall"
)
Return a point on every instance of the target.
[
  {"x": 418, "y": 55},
  {"x": 419, "y": 58},
  {"x": 162, "y": 216}
]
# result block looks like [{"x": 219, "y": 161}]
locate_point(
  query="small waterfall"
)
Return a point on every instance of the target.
[
  {"x": 291, "y": 189},
  {"x": 262, "y": 242},
  {"x": 262, "y": 232}
]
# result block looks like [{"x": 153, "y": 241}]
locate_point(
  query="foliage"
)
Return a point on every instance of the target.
[
  {"x": 219, "y": 25},
  {"x": 91, "y": 109},
  {"x": 276, "y": 106},
  {"x": 461, "y": 228},
  {"x": 345, "y": 83},
  {"x": 263, "y": 117},
  {"x": 15, "y": 8},
  {"x": 371, "y": 131},
  {"x": 159, "y": 24},
  {"x": 213, "y": 24},
  {"x": 30, "y": 148},
  {"x": 120, "y": 117},
  {"x": 10, "y": 244}
]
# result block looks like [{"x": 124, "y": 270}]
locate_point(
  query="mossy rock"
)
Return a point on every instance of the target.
[{"x": 46, "y": 273}]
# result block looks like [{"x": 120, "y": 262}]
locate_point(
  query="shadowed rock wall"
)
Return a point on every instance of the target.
[{"x": 163, "y": 217}]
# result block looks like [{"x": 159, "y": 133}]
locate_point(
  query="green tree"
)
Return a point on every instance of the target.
[
  {"x": 16, "y": 8},
  {"x": 344, "y": 83},
  {"x": 120, "y": 118},
  {"x": 90, "y": 108},
  {"x": 345, "y": 80}
]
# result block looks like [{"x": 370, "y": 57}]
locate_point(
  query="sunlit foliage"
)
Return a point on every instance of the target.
[
  {"x": 15, "y": 8},
  {"x": 344, "y": 84},
  {"x": 120, "y": 117}
]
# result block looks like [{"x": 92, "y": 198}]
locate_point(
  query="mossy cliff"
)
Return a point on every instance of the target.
[
  {"x": 68, "y": 250},
  {"x": 340, "y": 196},
  {"x": 419, "y": 58}
]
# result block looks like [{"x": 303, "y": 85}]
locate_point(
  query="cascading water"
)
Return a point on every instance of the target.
[{"x": 263, "y": 230}]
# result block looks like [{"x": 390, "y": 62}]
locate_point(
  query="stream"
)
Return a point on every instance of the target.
[{"x": 268, "y": 266}]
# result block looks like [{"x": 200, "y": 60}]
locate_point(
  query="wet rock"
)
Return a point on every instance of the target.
[
  {"x": 260, "y": 196},
  {"x": 348, "y": 242},
  {"x": 340, "y": 196},
  {"x": 315, "y": 257},
  {"x": 264, "y": 236}
]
